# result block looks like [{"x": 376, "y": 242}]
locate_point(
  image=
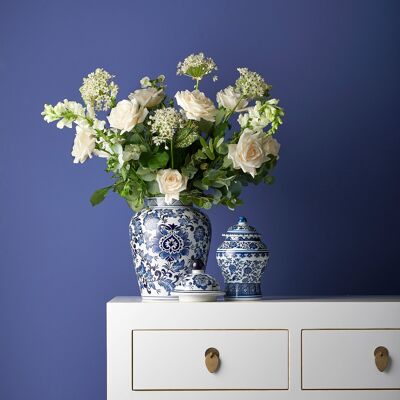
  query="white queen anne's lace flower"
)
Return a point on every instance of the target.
[
  {"x": 230, "y": 99},
  {"x": 196, "y": 66},
  {"x": 251, "y": 84},
  {"x": 97, "y": 92},
  {"x": 171, "y": 182},
  {"x": 84, "y": 143},
  {"x": 164, "y": 124},
  {"x": 196, "y": 105},
  {"x": 252, "y": 151}
]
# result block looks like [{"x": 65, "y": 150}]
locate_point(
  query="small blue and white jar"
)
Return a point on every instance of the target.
[{"x": 242, "y": 257}]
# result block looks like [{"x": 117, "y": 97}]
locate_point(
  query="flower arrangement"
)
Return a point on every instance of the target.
[{"x": 183, "y": 147}]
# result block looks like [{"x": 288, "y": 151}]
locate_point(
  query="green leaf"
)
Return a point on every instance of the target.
[
  {"x": 189, "y": 171},
  {"x": 269, "y": 179},
  {"x": 99, "y": 195},
  {"x": 220, "y": 116},
  {"x": 203, "y": 142},
  {"x": 222, "y": 149},
  {"x": 200, "y": 185},
  {"x": 185, "y": 137},
  {"x": 227, "y": 163},
  {"x": 146, "y": 174},
  {"x": 153, "y": 188},
  {"x": 219, "y": 142},
  {"x": 154, "y": 161}
]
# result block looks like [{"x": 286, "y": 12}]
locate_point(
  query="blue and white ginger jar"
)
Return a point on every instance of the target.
[
  {"x": 165, "y": 239},
  {"x": 243, "y": 257}
]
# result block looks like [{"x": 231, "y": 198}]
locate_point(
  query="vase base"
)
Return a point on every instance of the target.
[
  {"x": 159, "y": 298},
  {"x": 258, "y": 298},
  {"x": 243, "y": 291}
]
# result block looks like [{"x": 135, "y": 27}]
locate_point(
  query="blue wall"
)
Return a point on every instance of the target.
[{"x": 331, "y": 220}]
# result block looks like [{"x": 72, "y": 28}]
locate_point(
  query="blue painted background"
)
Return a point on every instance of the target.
[{"x": 331, "y": 220}]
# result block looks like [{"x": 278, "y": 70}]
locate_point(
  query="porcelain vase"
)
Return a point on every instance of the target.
[
  {"x": 242, "y": 257},
  {"x": 165, "y": 239}
]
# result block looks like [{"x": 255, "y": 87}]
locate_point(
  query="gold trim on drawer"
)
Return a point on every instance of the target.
[
  {"x": 341, "y": 329},
  {"x": 211, "y": 389}
]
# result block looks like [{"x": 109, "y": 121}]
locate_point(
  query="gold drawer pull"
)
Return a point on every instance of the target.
[
  {"x": 212, "y": 359},
  {"x": 381, "y": 358}
]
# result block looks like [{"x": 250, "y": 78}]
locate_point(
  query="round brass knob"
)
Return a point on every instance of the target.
[
  {"x": 381, "y": 354},
  {"x": 212, "y": 359}
]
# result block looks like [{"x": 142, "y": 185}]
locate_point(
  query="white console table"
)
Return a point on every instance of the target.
[{"x": 289, "y": 349}]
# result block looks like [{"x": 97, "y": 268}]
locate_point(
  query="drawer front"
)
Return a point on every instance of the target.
[
  {"x": 344, "y": 359},
  {"x": 175, "y": 359}
]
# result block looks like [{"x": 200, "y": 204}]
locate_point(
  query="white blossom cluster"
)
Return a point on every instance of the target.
[
  {"x": 97, "y": 92},
  {"x": 196, "y": 66},
  {"x": 164, "y": 124},
  {"x": 146, "y": 82},
  {"x": 65, "y": 111},
  {"x": 261, "y": 115},
  {"x": 251, "y": 84}
]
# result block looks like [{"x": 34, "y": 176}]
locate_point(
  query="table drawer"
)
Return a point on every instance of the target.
[
  {"x": 175, "y": 359},
  {"x": 345, "y": 359}
]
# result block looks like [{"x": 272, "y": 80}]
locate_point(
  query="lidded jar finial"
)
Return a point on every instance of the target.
[{"x": 197, "y": 267}]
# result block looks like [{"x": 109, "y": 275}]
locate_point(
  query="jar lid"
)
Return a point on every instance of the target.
[
  {"x": 197, "y": 280},
  {"x": 242, "y": 227}
]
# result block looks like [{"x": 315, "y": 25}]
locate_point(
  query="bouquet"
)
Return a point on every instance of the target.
[{"x": 184, "y": 148}]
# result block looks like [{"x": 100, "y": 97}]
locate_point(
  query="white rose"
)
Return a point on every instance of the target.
[
  {"x": 84, "y": 143},
  {"x": 271, "y": 146},
  {"x": 252, "y": 151},
  {"x": 171, "y": 182},
  {"x": 148, "y": 97},
  {"x": 229, "y": 99},
  {"x": 196, "y": 105},
  {"x": 126, "y": 114}
]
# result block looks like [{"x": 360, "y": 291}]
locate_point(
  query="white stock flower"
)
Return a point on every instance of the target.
[
  {"x": 261, "y": 115},
  {"x": 196, "y": 105},
  {"x": 126, "y": 114},
  {"x": 252, "y": 151},
  {"x": 171, "y": 182},
  {"x": 145, "y": 82},
  {"x": 67, "y": 112},
  {"x": 229, "y": 99},
  {"x": 84, "y": 143},
  {"x": 148, "y": 97}
]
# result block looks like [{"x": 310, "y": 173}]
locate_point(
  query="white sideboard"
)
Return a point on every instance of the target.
[{"x": 293, "y": 349}]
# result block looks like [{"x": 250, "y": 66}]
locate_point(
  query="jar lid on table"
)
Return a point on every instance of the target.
[{"x": 197, "y": 280}]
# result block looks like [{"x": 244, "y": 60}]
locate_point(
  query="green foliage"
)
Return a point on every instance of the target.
[
  {"x": 197, "y": 149},
  {"x": 99, "y": 195},
  {"x": 154, "y": 161},
  {"x": 185, "y": 137}
]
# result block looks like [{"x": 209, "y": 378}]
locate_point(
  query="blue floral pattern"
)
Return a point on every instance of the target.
[
  {"x": 164, "y": 239},
  {"x": 243, "y": 258}
]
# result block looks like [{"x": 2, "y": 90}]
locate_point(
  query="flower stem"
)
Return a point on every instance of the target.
[
  {"x": 196, "y": 86},
  {"x": 228, "y": 115},
  {"x": 172, "y": 154}
]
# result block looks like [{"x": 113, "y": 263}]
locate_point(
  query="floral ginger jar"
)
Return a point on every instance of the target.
[
  {"x": 165, "y": 239},
  {"x": 243, "y": 257}
]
